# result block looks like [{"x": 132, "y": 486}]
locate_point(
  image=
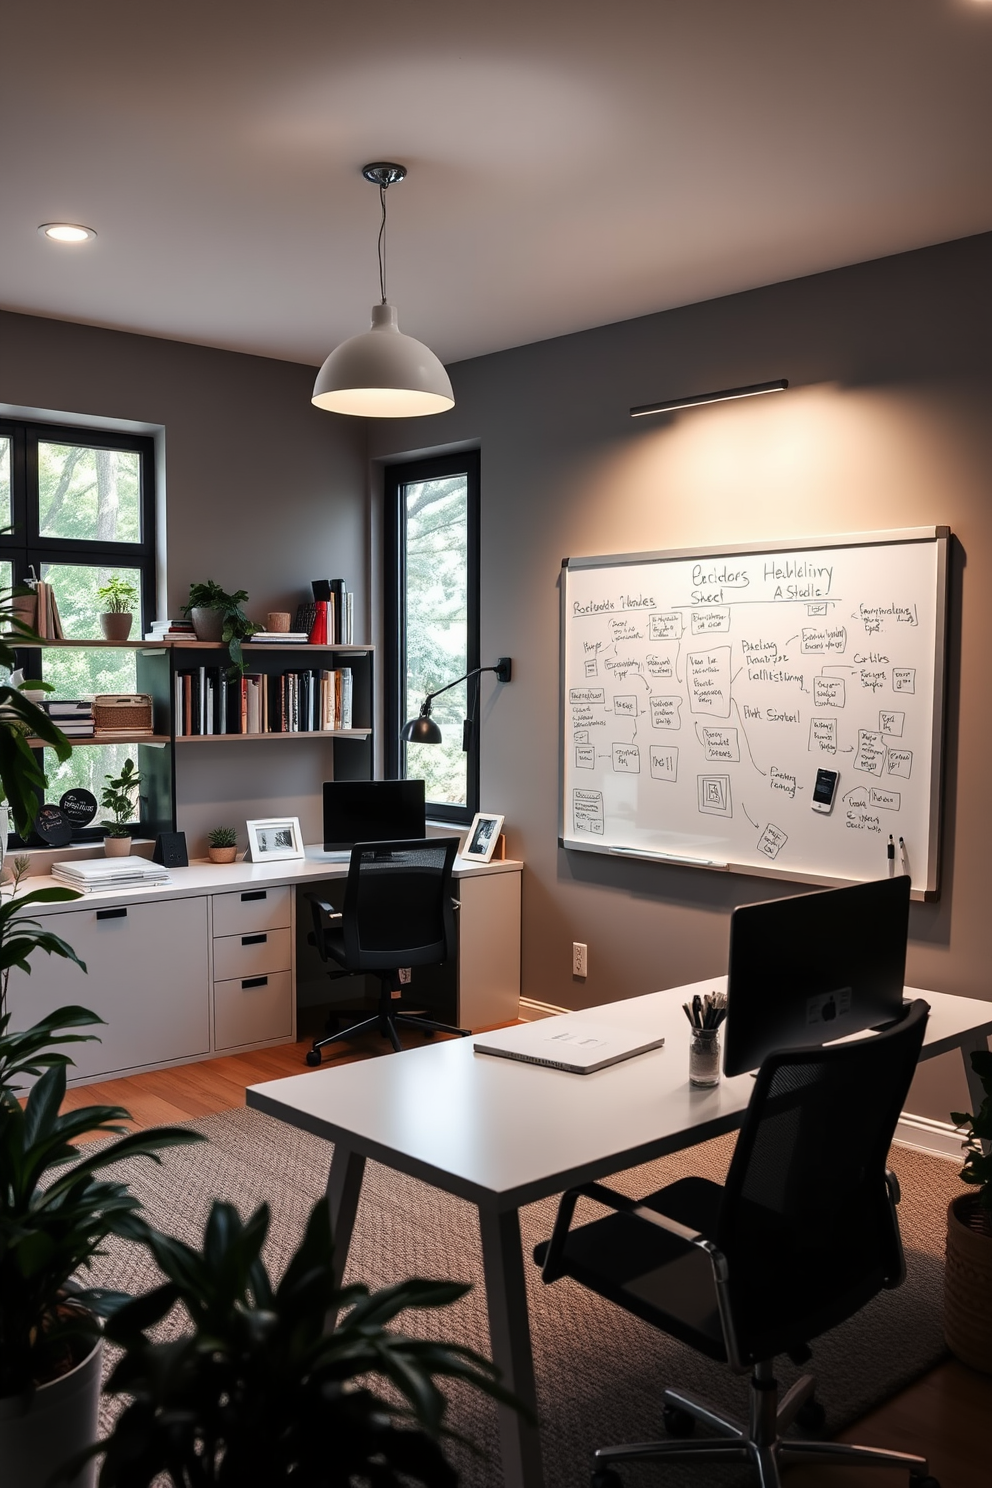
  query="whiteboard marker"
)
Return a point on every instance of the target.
[
  {"x": 890, "y": 853},
  {"x": 903, "y": 861}
]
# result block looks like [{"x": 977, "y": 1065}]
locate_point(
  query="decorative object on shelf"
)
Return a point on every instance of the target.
[
  {"x": 47, "y": 621},
  {"x": 56, "y": 1216},
  {"x": 423, "y": 729},
  {"x": 122, "y": 714},
  {"x": 222, "y": 845},
  {"x": 53, "y": 826},
  {"x": 120, "y": 798},
  {"x": 259, "y": 1383},
  {"x": 274, "y": 837},
  {"x": 278, "y": 621},
  {"x": 79, "y": 806},
  {"x": 382, "y": 373},
  {"x": 22, "y": 778},
  {"x": 170, "y": 850},
  {"x": 119, "y": 600},
  {"x": 968, "y": 1275},
  {"x": 24, "y": 610},
  {"x": 218, "y": 616},
  {"x": 482, "y": 837}
]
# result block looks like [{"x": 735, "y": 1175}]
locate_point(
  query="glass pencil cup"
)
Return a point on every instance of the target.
[{"x": 704, "y": 1056}]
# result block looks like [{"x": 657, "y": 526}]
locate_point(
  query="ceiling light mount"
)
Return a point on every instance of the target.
[
  {"x": 66, "y": 232},
  {"x": 382, "y": 373}
]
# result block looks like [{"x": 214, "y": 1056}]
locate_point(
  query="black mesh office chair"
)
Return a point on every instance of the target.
[
  {"x": 802, "y": 1234},
  {"x": 397, "y": 911}
]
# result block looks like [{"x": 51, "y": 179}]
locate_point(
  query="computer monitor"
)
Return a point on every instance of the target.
[
  {"x": 372, "y": 811},
  {"x": 814, "y": 967}
]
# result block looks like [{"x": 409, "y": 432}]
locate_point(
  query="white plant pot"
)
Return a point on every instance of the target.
[{"x": 41, "y": 1430}]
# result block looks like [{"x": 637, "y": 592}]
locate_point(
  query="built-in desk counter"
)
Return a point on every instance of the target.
[{"x": 206, "y": 964}]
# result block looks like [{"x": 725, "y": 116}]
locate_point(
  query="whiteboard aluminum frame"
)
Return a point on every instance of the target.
[{"x": 938, "y": 534}]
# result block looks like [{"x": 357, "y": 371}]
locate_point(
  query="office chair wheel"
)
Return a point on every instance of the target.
[
  {"x": 915, "y": 1481},
  {"x": 677, "y": 1422},
  {"x": 313, "y": 1058},
  {"x": 811, "y": 1416},
  {"x": 605, "y": 1477}
]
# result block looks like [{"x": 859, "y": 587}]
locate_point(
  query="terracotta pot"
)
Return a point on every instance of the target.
[
  {"x": 968, "y": 1287},
  {"x": 222, "y": 854},
  {"x": 208, "y": 624},
  {"x": 42, "y": 1429},
  {"x": 116, "y": 627},
  {"x": 117, "y": 847}
]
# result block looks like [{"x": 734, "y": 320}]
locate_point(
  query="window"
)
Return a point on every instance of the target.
[
  {"x": 77, "y": 505},
  {"x": 432, "y": 621}
]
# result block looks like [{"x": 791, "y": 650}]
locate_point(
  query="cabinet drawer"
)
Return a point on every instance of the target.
[
  {"x": 252, "y": 909},
  {"x": 250, "y": 954},
  {"x": 252, "y": 1009}
]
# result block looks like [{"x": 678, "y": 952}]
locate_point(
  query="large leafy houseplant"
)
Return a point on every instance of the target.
[
  {"x": 235, "y": 626},
  {"x": 258, "y": 1394},
  {"x": 120, "y": 799}
]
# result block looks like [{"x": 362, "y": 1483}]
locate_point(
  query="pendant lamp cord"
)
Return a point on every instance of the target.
[{"x": 382, "y": 244}]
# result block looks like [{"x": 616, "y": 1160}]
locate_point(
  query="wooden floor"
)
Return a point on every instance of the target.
[{"x": 946, "y": 1416}]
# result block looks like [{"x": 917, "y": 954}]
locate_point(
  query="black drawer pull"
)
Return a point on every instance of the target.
[
  {"x": 254, "y": 939},
  {"x": 254, "y": 982},
  {"x": 254, "y": 894},
  {"x": 111, "y": 914}
]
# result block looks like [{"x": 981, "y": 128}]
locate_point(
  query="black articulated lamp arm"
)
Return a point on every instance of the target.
[{"x": 423, "y": 730}]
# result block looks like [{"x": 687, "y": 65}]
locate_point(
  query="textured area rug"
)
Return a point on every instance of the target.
[{"x": 599, "y": 1371}]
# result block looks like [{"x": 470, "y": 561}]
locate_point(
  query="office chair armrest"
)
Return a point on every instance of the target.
[{"x": 324, "y": 904}]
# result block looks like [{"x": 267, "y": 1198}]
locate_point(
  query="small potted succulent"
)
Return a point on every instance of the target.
[
  {"x": 120, "y": 799},
  {"x": 222, "y": 844},
  {"x": 968, "y": 1275},
  {"x": 218, "y": 617},
  {"x": 119, "y": 599}
]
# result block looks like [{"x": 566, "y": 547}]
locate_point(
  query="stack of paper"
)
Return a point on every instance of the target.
[{"x": 110, "y": 873}]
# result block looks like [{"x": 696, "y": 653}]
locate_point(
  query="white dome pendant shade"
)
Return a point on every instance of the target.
[{"x": 382, "y": 373}]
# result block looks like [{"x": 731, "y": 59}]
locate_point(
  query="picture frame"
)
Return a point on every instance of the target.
[
  {"x": 483, "y": 835},
  {"x": 273, "y": 837}
]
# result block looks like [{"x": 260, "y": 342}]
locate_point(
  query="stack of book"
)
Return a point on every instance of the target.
[
  {"x": 48, "y": 622},
  {"x": 73, "y": 717},
  {"x": 171, "y": 630},
  {"x": 281, "y": 637},
  {"x": 330, "y": 619},
  {"x": 94, "y": 874},
  {"x": 293, "y": 702}
]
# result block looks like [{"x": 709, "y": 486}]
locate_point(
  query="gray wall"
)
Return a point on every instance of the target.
[
  {"x": 262, "y": 491},
  {"x": 888, "y": 423}
]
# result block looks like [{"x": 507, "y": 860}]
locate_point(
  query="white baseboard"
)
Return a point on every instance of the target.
[{"x": 937, "y": 1137}]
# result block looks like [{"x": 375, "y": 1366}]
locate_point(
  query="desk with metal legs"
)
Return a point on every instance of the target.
[{"x": 501, "y": 1134}]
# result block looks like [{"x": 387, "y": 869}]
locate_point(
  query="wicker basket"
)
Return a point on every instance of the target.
[
  {"x": 122, "y": 713},
  {"x": 968, "y": 1288}
]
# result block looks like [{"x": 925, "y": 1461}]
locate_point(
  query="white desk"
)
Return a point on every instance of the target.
[
  {"x": 501, "y": 1134},
  {"x": 206, "y": 964}
]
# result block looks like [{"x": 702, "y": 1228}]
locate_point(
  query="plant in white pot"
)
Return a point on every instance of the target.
[
  {"x": 120, "y": 798},
  {"x": 119, "y": 599},
  {"x": 968, "y": 1275},
  {"x": 55, "y": 1213},
  {"x": 218, "y": 616}
]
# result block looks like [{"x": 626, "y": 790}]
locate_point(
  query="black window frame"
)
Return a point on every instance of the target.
[
  {"x": 22, "y": 543},
  {"x": 398, "y": 476}
]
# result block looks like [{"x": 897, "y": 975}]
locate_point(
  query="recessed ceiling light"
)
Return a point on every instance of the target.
[{"x": 66, "y": 232}]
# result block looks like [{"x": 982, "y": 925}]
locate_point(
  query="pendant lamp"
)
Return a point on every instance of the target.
[{"x": 382, "y": 373}]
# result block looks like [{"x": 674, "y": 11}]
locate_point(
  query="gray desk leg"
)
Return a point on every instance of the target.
[
  {"x": 509, "y": 1335},
  {"x": 975, "y": 1090},
  {"x": 344, "y": 1184}
]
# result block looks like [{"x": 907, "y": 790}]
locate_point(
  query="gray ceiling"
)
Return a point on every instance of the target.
[{"x": 572, "y": 162}]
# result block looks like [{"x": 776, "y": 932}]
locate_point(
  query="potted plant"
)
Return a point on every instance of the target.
[
  {"x": 119, "y": 599},
  {"x": 55, "y": 1213},
  {"x": 222, "y": 844},
  {"x": 260, "y": 1390},
  {"x": 119, "y": 798},
  {"x": 22, "y": 779},
  {"x": 968, "y": 1274},
  {"x": 218, "y": 616}
]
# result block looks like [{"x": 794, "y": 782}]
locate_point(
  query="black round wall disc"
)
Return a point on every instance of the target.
[
  {"x": 79, "y": 806},
  {"x": 53, "y": 826}
]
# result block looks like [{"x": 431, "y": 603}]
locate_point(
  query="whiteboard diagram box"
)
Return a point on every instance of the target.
[
  {"x": 903, "y": 679},
  {"x": 823, "y": 736},
  {"x": 829, "y": 692},
  {"x": 665, "y": 627},
  {"x": 721, "y": 744},
  {"x": 891, "y": 724},
  {"x": 900, "y": 762},
  {"x": 625, "y": 705},
  {"x": 832, "y": 640},
  {"x": 664, "y": 762},
  {"x": 708, "y": 676},
  {"x": 587, "y": 696},
  {"x": 705, "y": 622},
  {"x": 660, "y": 666},
  {"x": 591, "y": 667},
  {"x": 587, "y": 811},
  {"x": 666, "y": 712},
  {"x": 885, "y": 800},
  {"x": 772, "y": 841},
  {"x": 870, "y": 757},
  {"x": 626, "y": 759},
  {"x": 585, "y": 757},
  {"x": 713, "y": 795}
]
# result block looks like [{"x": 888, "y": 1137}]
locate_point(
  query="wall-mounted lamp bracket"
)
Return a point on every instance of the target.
[{"x": 753, "y": 390}]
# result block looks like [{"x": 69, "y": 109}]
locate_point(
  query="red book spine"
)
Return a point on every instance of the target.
[{"x": 318, "y": 634}]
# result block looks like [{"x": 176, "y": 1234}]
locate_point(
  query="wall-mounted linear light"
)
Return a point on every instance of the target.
[{"x": 753, "y": 390}]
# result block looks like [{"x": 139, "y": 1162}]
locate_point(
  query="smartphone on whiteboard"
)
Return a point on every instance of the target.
[{"x": 824, "y": 790}]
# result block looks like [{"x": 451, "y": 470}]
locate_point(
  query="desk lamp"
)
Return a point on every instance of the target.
[{"x": 423, "y": 729}]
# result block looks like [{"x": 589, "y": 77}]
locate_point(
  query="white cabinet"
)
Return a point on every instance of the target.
[
  {"x": 253, "y": 981},
  {"x": 147, "y": 977}
]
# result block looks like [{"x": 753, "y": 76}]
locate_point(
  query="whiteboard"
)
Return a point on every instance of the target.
[{"x": 702, "y": 691}]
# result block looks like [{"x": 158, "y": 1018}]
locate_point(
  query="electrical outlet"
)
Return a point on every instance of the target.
[{"x": 580, "y": 959}]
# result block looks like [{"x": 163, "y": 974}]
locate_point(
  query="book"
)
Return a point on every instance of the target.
[
  {"x": 347, "y": 691},
  {"x": 337, "y": 595},
  {"x": 319, "y": 634},
  {"x": 348, "y": 639},
  {"x": 281, "y": 637},
  {"x": 306, "y": 614}
]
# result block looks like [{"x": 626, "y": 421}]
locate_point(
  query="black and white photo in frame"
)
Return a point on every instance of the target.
[
  {"x": 483, "y": 835},
  {"x": 274, "y": 837}
]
